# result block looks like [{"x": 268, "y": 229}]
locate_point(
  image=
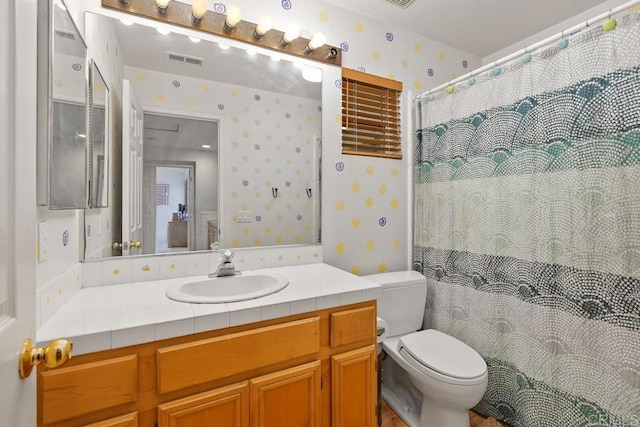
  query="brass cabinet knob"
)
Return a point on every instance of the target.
[{"x": 57, "y": 353}]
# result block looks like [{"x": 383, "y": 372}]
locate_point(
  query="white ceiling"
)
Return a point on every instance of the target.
[
  {"x": 480, "y": 27},
  {"x": 180, "y": 133}
]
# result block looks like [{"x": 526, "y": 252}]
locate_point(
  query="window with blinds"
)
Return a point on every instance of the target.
[{"x": 370, "y": 115}]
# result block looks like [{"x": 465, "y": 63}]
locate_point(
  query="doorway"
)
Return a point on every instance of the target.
[
  {"x": 180, "y": 180},
  {"x": 173, "y": 204}
]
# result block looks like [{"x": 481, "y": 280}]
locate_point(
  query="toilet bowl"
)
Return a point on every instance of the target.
[{"x": 429, "y": 378}]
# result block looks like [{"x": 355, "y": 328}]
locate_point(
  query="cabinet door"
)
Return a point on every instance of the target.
[
  {"x": 288, "y": 398},
  {"x": 222, "y": 407},
  {"x": 354, "y": 388},
  {"x": 128, "y": 420}
]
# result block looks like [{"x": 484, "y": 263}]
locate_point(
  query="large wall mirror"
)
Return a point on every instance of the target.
[
  {"x": 220, "y": 144},
  {"x": 62, "y": 109}
]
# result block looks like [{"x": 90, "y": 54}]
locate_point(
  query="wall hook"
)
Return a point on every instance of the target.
[
  {"x": 274, "y": 192},
  {"x": 308, "y": 190}
]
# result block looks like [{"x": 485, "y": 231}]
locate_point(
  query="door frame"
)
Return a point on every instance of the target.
[
  {"x": 18, "y": 47},
  {"x": 197, "y": 115},
  {"x": 191, "y": 197}
]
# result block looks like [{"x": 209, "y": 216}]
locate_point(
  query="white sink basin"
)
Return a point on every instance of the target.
[{"x": 242, "y": 287}]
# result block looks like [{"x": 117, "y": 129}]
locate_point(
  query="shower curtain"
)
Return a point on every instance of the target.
[{"x": 527, "y": 226}]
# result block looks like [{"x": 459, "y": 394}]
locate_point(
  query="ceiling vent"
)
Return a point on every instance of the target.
[
  {"x": 185, "y": 59},
  {"x": 402, "y": 3},
  {"x": 64, "y": 34}
]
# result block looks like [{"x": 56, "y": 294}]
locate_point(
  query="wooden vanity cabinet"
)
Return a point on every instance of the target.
[{"x": 313, "y": 369}]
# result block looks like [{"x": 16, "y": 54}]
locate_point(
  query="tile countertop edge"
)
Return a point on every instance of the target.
[{"x": 311, "y": 287}]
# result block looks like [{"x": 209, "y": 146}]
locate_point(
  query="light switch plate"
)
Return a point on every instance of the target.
[{"x": 243, "y": 216}]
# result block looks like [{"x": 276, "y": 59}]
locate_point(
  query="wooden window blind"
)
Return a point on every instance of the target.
[{"x": 370, "y": 115}]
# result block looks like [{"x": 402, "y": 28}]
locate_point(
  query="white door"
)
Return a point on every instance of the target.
[
  {"x": 132, "y": 126},
  {"x": 149, "y": 210},
  {"x": 17, "y": 205}
]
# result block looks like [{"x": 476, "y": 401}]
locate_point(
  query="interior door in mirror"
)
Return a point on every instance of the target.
[
  {"x": 62, "y": 109},
  {"x": 132, "y": 161}
]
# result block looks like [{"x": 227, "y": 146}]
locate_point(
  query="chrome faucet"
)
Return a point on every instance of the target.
[{"x": 226, "y": 267}]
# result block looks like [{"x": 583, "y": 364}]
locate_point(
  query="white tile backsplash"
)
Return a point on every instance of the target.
[
  {"x": 145, "y": 269},
  {"x": 116, "y": 271},
  {"x": 173, "y": 266}
]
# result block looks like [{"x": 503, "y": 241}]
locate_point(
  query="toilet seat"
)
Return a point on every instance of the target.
[{"x": 432, "y": 351}]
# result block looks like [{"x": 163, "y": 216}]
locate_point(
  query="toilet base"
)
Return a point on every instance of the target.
[
  {"x": 407, "y": 411},
  {"x": 436, "y": 415}
]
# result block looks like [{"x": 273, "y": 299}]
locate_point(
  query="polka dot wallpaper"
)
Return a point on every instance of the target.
[
  {"x": 365, "y": 201},
  {"x": 269, "y": 144}
]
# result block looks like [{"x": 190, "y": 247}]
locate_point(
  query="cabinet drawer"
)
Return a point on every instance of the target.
[
  {"x": 351, "y": 326},
  {"x": 186, "y": 365},
  {"x": 128, "y": 420},
  {"x": 79, "y": 390}
]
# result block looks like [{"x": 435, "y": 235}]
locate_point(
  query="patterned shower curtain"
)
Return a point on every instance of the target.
[{"x": 527, "y": 226}]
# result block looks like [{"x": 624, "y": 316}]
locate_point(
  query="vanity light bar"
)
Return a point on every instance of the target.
[{"x": 181, "y": 14}]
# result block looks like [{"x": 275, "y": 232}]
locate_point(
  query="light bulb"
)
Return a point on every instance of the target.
[
  {"x": 162, "y": 6},
  {"x": 318, "y": 40},
  {"x": 233, "y": 16},
  {"x": 199, "y": 8},
  {"x": 264, "y": 25},
  {"x": 292, "y": 33},
  {"x": 311, "y": 74}
]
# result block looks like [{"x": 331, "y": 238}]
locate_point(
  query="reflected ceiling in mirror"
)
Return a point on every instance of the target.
[{"x": 266, "y": 139}]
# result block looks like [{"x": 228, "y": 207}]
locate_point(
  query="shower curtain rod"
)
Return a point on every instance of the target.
[{"x": 535, "y": 46}]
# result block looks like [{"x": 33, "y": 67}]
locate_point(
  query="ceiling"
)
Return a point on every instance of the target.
[
  {"x": 180, "y": 133},
  {"x": 480, "y": 27}
]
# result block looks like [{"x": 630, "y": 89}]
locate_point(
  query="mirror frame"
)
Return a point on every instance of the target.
[
  {"x": 94, "y": 71},
  {"x": 45, "y": 54}
]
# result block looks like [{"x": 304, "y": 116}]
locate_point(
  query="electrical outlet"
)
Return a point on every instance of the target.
[{"x": 42, "y": 241}]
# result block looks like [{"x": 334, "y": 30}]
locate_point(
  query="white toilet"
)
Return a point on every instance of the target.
[{"x": 429, "y": 378}]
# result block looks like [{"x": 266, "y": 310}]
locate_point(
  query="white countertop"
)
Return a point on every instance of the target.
[{"x": 106, "y": 317}]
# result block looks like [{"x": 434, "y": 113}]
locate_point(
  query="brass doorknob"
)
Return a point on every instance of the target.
[
  {"x": 57, "y": 353},
  {"x": 135, "y": 244}
]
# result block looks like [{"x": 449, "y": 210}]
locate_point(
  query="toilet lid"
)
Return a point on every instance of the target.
[{"x": 444, "y": 354}]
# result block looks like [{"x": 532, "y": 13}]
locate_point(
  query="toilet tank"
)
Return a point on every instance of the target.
[{"x": 402, "y": 300}]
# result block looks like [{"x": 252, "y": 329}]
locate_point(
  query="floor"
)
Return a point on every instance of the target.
[{"x": 390, "y": 419}]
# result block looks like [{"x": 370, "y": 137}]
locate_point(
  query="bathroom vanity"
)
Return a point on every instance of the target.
[{"x": 308, "y": 367}]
